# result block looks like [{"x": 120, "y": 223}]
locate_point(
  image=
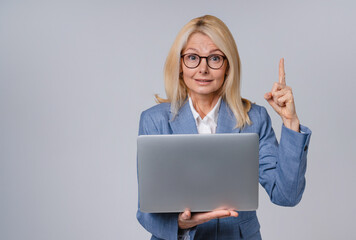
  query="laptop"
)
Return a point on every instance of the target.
[{"x": 198, "y": 171}]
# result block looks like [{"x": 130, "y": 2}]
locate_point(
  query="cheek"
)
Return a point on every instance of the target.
[
  {"x": 224, "y": 73},
  {"x": 186, "y": 78},
  {"x": 188, "y": 74},
  {"x": 221, "y": 77}
]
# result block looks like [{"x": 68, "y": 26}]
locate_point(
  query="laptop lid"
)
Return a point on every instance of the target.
[{"x": 199, "y": 171}]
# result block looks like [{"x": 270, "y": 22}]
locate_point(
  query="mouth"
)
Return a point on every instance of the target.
[{"x": 203, "y": 80}]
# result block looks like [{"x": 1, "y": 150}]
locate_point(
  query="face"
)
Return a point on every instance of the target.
[{"x": 203, "y": 81}]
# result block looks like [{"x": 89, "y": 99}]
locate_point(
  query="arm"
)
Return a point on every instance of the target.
[{"x": 283, "y": 166}]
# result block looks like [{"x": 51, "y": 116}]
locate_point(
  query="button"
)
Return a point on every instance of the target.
[{"x": 306, "y": 147}]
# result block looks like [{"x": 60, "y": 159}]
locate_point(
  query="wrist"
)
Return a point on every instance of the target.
[
  {"x": 183, "y": 227},
  {"x": 293, "y": 124}
]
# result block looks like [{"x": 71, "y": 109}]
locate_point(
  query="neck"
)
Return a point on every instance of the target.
[{"x": 203, "y": 104}]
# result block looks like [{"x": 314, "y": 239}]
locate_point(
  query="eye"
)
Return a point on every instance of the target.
[
  {"x": 192, "y": 57},
  {"x": 215, "y": 58}
]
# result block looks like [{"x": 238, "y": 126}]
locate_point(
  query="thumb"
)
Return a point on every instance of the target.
[
  {"x": 268, "y": 95},
  {"x": 269, "y": 99},
  {"x": 186, "y": 215}
]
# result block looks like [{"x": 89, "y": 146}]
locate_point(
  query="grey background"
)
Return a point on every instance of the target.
[{"x": 75, "y": 75}]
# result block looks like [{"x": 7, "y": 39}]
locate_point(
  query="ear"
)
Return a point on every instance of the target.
[
  {"x": 227, "y": 71},
  {"x": 180, "y": 71}
]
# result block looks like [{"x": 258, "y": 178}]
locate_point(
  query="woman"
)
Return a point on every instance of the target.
[{"x": 202, "y": 80}]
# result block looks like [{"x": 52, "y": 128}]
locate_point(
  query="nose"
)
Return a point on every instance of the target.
[{"x": 203, "y": 66}]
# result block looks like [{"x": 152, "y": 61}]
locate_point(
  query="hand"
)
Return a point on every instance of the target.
[
  {"x": 282, "y": 101},
  {"x": 188, "y": 220}
]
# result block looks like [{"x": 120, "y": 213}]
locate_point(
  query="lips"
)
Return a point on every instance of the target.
[{"x": 203, "y": 80}]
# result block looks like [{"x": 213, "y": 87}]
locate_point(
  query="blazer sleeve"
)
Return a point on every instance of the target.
[
  {"x": 160, "y": 225},
  {"x": 283, "y": 166}
]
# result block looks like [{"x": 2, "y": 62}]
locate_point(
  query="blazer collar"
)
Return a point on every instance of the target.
[
  {"x": 226, "y": 120},
  {"x": 184, "y": 122}
]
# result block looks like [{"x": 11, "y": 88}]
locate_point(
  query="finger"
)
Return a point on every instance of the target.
[
  {"x": 204, "y": 217},
  {"x": 283, "y": 100},
  {"x": 221, "y": 208},
  {"x": 233, "y": 213},
  {"x": 186, "y": 214},
  {"x": 274, "y": 105},
  {"x": 226, "y": 216},
  {"x": 281, "y": 92},
  {"x": 232, "y": 210},
  {"x": 280, "y": 103},
  {"x": 268, "y": 95},
  {"x": 279, "y": 100},
  {"x": 276, "y": 87},
  {"x": 282, "y": 74},
  {"x": 225, "y": 207}
]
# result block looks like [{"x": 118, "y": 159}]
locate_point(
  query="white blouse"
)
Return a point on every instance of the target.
[{"x": 209, "y": 123}]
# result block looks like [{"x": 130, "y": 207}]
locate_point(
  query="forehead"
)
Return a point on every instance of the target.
[{"x": 200, "y": 43}]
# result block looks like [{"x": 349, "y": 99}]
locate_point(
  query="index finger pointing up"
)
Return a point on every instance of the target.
[{"x": 282, "y": 74}]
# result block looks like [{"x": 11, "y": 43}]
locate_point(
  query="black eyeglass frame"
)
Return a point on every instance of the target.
[{"x": 206, "y": 59}]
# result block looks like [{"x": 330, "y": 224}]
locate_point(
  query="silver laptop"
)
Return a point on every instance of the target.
[{"x": 200, "y": 171}]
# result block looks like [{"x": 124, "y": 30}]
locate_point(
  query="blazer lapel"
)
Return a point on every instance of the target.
[
  {"x": 226, "y": 120},
  {"x": 184, "y": 122}
]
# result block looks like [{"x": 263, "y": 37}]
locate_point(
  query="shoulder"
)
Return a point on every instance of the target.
[
  {"x": 259, "y": 118},
  {"x": 261, "y": 121},
  {"x": 154, "y": 119},
  {"x": 257, "y": 112},
  {"x": 158, "y": 111}
]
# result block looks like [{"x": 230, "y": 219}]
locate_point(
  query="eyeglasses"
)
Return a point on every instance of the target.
[{"x": 192, "y": 60}]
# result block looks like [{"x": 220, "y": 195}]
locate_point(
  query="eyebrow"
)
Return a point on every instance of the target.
[{"x": 214, "y": 50}]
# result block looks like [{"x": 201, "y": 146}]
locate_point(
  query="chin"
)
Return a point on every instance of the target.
[{"x": 203, "y": 91}]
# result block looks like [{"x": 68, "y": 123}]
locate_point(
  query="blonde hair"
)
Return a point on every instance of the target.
[{"x": 177, "y": 91}]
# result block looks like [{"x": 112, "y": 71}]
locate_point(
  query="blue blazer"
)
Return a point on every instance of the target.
[{"x": 281, "y": 169}]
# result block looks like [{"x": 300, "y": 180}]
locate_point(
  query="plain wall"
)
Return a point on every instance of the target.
[{"x": 75, "y": 75}]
